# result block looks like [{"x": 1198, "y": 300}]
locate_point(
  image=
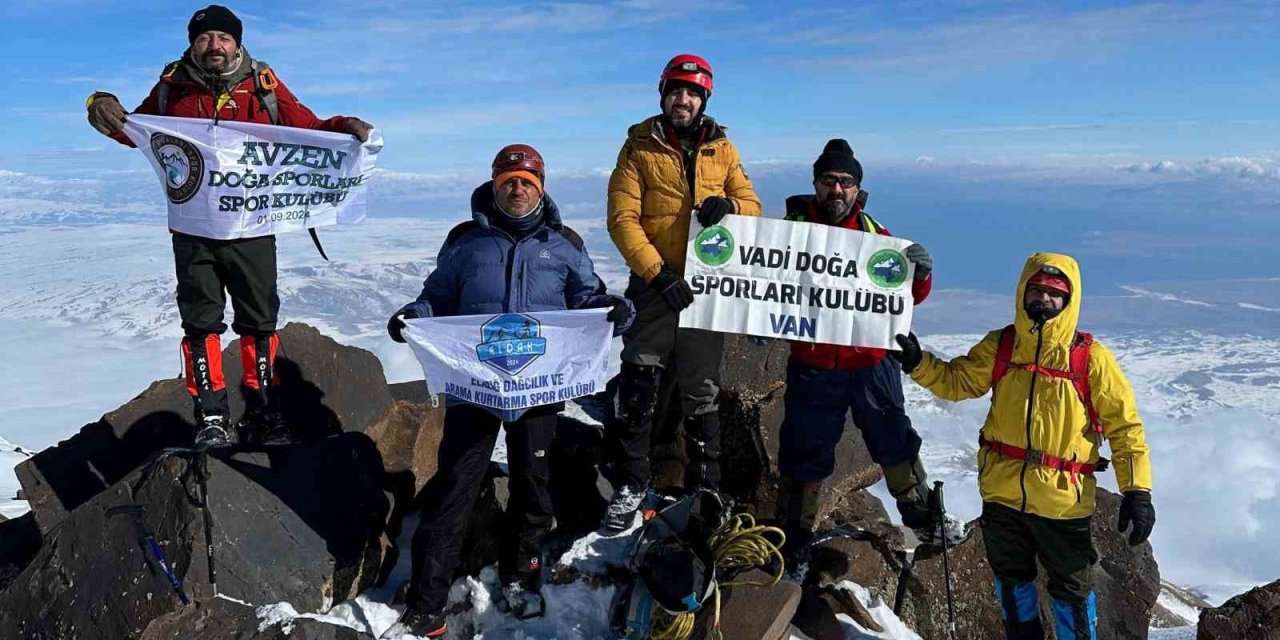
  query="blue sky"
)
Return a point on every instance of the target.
[
  {"x": 450, "y": 82},
  {"x": 1122, "y": 133}
]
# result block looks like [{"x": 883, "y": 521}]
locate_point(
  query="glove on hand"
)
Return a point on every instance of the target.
[
  {"x": 105, "y": 114},
  {"x": 917, "y": 254},
  {"x": 713, "y": 210},
  {"x": 358, "y": 128},
  {"x": 759, "y": 341},
  {"x": 395, "y": 325},
  {"x": 673, "y": 288},
  {"x": 911, "y": 354},
  {"x": 1136, "y": 508}
]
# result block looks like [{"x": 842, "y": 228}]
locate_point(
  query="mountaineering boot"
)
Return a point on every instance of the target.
[
  {"x": 622, "y": 509},
  {"x": 262, "y": 423},
  {"x": 263, "y": 426},
  {"x": 702, "y": 445},
  {"x": 1019, "y": 609},
  {"x": 419, "y": 624},
  {"x": 202, "y": 366},
  {"x": 907, "y": 484},
  {"x": 797, "y": 512},
  {"x": 1075, "y": 620},
  {"x": 212, "y": 432}
]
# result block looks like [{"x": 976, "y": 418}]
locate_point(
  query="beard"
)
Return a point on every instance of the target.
[
  {"x": 836, "y": 209},
  {"x": 1041, "y": 313},
  {"x": 212, "y": 63}
]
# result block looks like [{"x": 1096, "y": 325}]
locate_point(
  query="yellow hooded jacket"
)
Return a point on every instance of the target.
[
  {"x": 650, "y": 200},
  {"x": 1058, "y": 423}
]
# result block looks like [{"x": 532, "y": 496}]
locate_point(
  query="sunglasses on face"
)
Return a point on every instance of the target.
[{"x": 846, "y": 182}]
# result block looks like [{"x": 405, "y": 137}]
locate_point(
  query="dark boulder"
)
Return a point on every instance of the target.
[
  {"x": 1254, "y": 614},
  {"x": 326, "y": 388},
  {"x": 752, "y": 611},
  {"x": 299, "y": 524}
]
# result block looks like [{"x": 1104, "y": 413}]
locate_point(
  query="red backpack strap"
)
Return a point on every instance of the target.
[
  {"x": 1004, "y": 354},
  {"x": 1080, "y": 376}
]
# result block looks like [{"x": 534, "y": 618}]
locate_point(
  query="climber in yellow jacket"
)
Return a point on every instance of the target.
[
  {"x": 1042, "y": 443},
  {"x": 670, "y": 165}
]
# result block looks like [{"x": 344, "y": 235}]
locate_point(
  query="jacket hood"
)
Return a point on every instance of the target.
[
  {"x": 483, "y": 208},
  {"x": 1059, "y": 331}
]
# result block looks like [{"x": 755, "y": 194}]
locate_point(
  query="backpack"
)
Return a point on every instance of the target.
[
  {"x": 1078, "y": 372},
  {"x": 673, "y": 562}
]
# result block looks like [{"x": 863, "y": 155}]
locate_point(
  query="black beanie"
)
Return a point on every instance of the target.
[
  {"x": 214, "y": 17},
  {"x": 837, "y": 156}
]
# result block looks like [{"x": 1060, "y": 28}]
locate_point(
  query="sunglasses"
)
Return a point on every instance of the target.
[{"x": 846, "y": 182}]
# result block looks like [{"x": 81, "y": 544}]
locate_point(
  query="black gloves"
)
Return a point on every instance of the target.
[
  {"x": 358, "y": 128},
  {"x": 759, "y": 341},
  {"x": 105, "y": 113},
  {"x": 1136, "y": 508},
  {"x": 673, "y": 289},
  {"x": 713, "y": 210},
  {"x": 395, "y": 325},
  {"x": 920, "y": 256},
  {"x": 618, "y": 311},
  {"x": 911, "y": 354}
]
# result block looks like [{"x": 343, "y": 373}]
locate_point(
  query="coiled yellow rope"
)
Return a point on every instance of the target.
[{"x": 738, "y": 544}]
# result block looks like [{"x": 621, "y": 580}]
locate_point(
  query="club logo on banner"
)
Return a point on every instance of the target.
[
  {"x": 519, "y": 361},
  {"x": 714, "y": 246},
  {"x": 182, "y": 163},
  {"x": 799, "y": 281},
  {"x": 510, "y": 342},
  {"x": 243, "y": 179},
  {"x": 888, "y": 268}
]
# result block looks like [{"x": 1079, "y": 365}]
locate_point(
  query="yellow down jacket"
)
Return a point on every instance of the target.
[
  {"x": 650, "y": 200},
  {"x": 1058, "y": 423}
]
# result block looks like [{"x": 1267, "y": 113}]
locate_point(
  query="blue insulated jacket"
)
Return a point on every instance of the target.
[{"x": 483, "y": 269}]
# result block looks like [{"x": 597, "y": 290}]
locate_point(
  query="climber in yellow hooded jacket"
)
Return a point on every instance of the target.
[{"x": 1041, "y": 444}]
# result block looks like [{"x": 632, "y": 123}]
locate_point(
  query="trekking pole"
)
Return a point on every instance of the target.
[
  {"x": 946, "y": 563},
  {"x": 201, "y": 461}
]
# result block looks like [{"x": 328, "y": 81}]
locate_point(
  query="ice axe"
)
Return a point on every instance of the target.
[{"x": 148, "y": 542}]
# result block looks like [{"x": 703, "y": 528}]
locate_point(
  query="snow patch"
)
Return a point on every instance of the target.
[{"x": 894, "y": 629}]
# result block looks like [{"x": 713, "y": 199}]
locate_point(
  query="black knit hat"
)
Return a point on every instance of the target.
[
  {"x": 837, "y": 156},
  {"x": 214, "y": 17}
]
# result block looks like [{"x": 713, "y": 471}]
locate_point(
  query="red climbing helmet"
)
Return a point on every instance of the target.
[
  {"x": 518, "y": 157},
  {"x": 687, "y": 67}
]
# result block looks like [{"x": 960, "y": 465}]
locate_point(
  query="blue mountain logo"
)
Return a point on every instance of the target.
[
  {"x": 510, "y": 342},
  {"x": 182, "y": 163}
]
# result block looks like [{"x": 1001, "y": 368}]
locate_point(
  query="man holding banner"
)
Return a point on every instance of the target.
[
  {"x": 825, "y": 382},
  {"x": 217, "y": 79},
  {"x": 670, "y": 165},
  {"x": 500, "y": 348}
]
